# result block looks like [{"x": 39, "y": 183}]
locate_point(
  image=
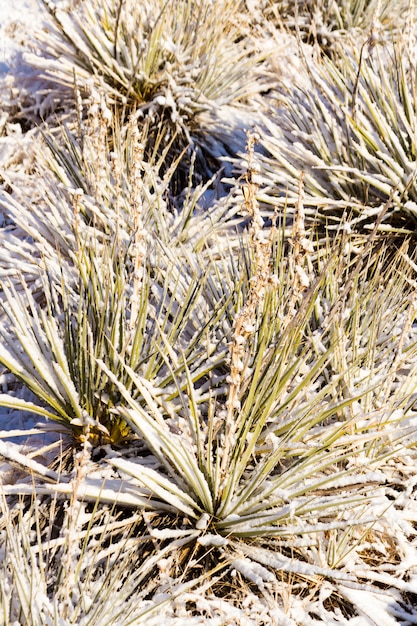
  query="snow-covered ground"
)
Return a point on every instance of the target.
[{"x": 15, "y": 17}]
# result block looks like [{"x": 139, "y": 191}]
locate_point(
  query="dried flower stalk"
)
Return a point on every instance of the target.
[
  {"x": 99, "y": 120},
  {"x": 298, "y": 258},
  {"x": 136, "y": 207},
  {"x": 245, "y": 322}
]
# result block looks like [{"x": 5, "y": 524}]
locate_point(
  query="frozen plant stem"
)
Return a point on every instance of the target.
[
  {"x": 74, "y": 517},
  {"x": 245, "y": 322},
  {"x": 136, "y": 214},
  {"x": 301, "y": 248},
  {"x": 400, "y": 354},
  {"x": 99, "y": 120}
]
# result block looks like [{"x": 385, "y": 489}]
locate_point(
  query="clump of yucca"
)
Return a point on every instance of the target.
[
  {"x": 352, "y": 129},
  {"x": 96, "y": 277},
  {"x": 258, "y": 385},
  {"x": 175, "y": 63},
  {"x": 325, "y": 22}
]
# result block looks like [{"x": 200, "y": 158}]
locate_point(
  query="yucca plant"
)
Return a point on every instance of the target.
[
  {"x": 142, "y": 54},
  {"x": 326, "y": 22},
  {"x": 178, "y": 64},
  {"x": 267, "y": 443},
  {"x": 117, "y": 572},
  {"x": 90, "y": 285},
  {"x": 351, "y": 129}
]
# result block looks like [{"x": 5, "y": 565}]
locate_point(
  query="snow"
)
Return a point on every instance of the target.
[
  {"x": 29, "y": 430},
  {"x": 375, "y": 608},
  {"x": 15, "y": 17},
  {"x": 11, "y": 452}
]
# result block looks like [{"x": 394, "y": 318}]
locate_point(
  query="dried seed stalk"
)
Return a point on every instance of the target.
[
  {"x": 301, "y": 248},
  {"x": 136, "y": 207},
  {"x": 99, "y": 120},
  {"x": 245, "y": 322},
  {"x": 74, "y": 521}
]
